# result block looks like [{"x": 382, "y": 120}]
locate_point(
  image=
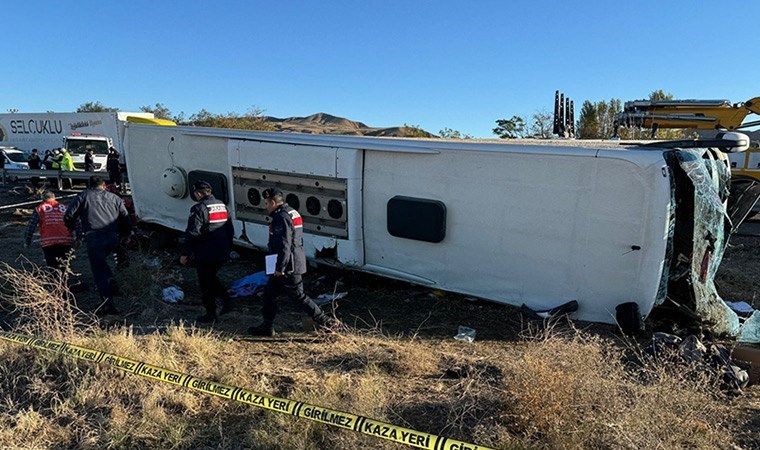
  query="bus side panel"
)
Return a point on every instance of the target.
[{"x": 526, "y": 228}]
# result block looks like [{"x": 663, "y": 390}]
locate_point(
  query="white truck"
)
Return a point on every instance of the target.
[
  {"x": 612, "y": 227},
  {"x": 77, "y": 145},
  {"x": 75, "y": 131}
]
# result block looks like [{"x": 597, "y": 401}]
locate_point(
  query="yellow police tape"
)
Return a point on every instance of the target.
[{"x": 327, "y": 416}]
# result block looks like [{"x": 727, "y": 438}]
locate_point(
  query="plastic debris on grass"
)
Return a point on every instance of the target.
[
  {"x": 465, "y": 334},
  {"x": 323, "y": 299},
  {"x": 173, "y": 294},
  {"x": 152, "y": 262},
  {"x": 249, "y": 284}
]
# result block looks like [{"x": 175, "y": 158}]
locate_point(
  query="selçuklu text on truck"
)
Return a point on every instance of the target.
[
  {"x": 536, "y": 223},
  {"x": 75, "y": 131}
]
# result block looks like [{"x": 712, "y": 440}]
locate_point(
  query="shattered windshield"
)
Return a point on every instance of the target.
[{"x": 711, "y": 225}]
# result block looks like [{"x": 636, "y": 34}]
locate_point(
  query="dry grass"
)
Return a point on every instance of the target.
[
  {"x": 551, "y": 389},
  {"x": 578, "y": 392},
  {"x": 40, "y": 299}
]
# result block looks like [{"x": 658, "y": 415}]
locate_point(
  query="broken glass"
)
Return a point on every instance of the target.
[{"x": 710, "y": 179}]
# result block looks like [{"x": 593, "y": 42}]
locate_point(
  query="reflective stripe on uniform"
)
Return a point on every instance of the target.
[
  {"x": 217, "y": 213},
  {"x": 296, "y": 218}
]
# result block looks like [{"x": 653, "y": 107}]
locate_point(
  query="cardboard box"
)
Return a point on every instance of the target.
[{"x": 750, "y": 354}]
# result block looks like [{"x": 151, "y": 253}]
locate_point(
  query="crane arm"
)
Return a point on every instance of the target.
[{"x": 694, "y": 114}]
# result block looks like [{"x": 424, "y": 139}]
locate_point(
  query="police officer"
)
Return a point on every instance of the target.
[
  {"x": 2, "y": 165},
  {"x": 113, "y": 166},
  {"x": 89, "y": 161},
  {"x": 208, "y": 241},
  {"x": 35, "y": 163},
  {"x": 286, "y": 241},
  {"x": 55, "y": 165},
  {"x": 104, "y": 217}
]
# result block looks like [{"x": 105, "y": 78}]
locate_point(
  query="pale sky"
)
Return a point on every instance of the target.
[{"x": 454, "y": 64}]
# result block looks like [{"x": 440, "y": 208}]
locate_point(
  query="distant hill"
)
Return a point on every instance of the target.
[{"x": 322, "y": 123}]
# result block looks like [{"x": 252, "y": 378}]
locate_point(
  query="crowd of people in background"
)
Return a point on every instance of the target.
[{"x": 59, "y": 159}]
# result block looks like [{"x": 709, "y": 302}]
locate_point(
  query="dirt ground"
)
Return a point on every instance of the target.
[{"x": 372, "y": 303}]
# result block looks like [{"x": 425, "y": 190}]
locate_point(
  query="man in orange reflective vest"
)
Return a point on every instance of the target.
[{"x": 55, "y": 239}]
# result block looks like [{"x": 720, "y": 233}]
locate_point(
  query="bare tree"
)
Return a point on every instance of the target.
[{"x": 541, "y": 125}]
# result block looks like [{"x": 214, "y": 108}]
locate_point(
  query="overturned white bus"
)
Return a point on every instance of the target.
[{"x": 536, "y": 223}]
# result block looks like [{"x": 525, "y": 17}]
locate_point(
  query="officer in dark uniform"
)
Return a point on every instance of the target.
[
  {"x": 104, "y": 217},
  {"x": 208, "y": 241},
  {"x": 286, "y": 241},
  {"x": 2, "y": 165}
]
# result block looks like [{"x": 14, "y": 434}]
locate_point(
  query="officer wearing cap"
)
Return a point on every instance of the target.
[
  {"x": 208, "y": 241},
  {"x": 286, "y": 241}
]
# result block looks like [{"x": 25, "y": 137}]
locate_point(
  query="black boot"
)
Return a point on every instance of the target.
[
  {"x": 206, "y": 318},
  {"x": 264, "y": 330},
  {"x": 114, "y": 287},
  {"x": 328, "y": 324},
  {"x": 107, "y": 308},
  {"x": 226, "y": 306}
]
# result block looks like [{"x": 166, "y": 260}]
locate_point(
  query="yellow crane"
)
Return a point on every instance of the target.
[
  {"x": 692, "y": 114},
  {"x": 707, "y": 115}
]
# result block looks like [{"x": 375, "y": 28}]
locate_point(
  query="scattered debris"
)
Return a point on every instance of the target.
[
  {"x": 740, "y": 308},
  {"x": 249, "y": 284},
  {"x": 695, "y": 354},
  {"x": 173, "y": 294},
  {"x": 436, "y": 294},
  {"x": 22, "y": 212},
  {"x": 325, "y": 298},
  {"x": 750, "y": 330},
  {"x": 465, "y": 334},
  {"x": 750, "y": 355},
  {"x": 565, "y": 308},
  {"x": 152, "y": 262}
]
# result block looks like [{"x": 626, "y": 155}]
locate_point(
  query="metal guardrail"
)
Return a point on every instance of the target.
[{"x": 17, "y": 174}]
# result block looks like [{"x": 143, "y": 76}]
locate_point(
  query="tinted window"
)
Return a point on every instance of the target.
[
  {"x": 16, "y": 157},
  {"x": 217, "y": 181},
  {"x": 417, "y": 218}
]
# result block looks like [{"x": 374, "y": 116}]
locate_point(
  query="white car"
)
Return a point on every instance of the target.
[{"x": 14, "y": 159}]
